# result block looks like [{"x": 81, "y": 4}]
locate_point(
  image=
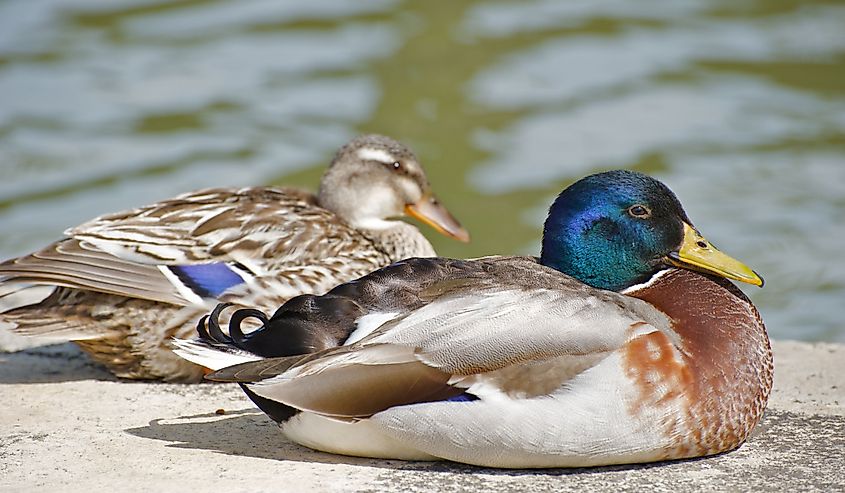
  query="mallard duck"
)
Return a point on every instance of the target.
[
  {"x": 624, "y": 342},
  {"x": 126, "y": 283}
]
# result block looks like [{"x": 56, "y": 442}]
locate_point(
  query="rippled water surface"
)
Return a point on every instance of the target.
[{"x": 738, "y": 106}]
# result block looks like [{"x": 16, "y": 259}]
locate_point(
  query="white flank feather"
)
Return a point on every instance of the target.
[{"x": 360, "y": 438}]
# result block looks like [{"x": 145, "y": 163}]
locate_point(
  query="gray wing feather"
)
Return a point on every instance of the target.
[{"x": 484, "y": 328}]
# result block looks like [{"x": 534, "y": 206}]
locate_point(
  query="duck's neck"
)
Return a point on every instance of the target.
[
  {"x": 724, "y": 344},
  {"x": 397, "y": 239}
]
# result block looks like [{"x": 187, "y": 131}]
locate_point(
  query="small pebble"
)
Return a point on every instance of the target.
[{"x": 220, "y": 412}]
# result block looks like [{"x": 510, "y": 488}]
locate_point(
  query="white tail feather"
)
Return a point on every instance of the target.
[{"x": 213, "y": 358}]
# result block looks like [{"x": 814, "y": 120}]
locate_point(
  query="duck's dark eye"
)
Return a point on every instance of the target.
[
  {"x": 640, "y": 211},
  {"x": 396, "y": 165}
]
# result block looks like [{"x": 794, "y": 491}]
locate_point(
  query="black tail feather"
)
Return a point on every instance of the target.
[
  {"x": 202, "y": 330},
  {"x": 277, "y": 411},
  {"x": 239, "y": 316},
  {"x": 214, "y": 325}
]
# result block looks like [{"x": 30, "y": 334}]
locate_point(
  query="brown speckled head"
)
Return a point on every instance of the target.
[{"x": 374, "y": 178}]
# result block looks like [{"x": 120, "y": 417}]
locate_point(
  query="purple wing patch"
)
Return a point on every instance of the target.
[{"x": 207, "y": 280}]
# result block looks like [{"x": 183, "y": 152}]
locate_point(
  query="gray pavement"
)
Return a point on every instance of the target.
[{"x": 66, "y": 425}]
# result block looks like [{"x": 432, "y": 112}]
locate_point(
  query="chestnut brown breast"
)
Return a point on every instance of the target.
[{"x": 719, "y": 369}]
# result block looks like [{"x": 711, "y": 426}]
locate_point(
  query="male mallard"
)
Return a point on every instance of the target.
[
  {"x": 126, "y": 283},
  {"x": 622, "y": 343}
]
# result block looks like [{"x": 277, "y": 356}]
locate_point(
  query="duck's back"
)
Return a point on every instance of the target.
[{"x": 265, "y": 226}]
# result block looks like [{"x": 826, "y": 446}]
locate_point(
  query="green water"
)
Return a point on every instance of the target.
[{"x": 738, "y": 106}]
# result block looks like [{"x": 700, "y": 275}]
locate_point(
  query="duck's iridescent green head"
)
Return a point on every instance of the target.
[{"x": 616, "y": 229}]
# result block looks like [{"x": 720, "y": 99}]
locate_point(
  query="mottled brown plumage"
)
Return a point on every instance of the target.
[{"x": 120, "y": 292}]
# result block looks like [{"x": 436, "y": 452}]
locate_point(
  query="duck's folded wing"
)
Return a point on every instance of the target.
[
  {"x": 426, "y": 355},
  {"x": 250, "y": 226},
  {"x": 211, "y": 244},
  {"x": 486, "y": 329},
  {"x": 71, "y": 263},
  {"x": 345, "y": 384}
]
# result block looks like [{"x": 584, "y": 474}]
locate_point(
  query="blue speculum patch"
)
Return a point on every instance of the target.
[
  {"x": 465, "y": 397},
  {"x": 207, "y": 280}
]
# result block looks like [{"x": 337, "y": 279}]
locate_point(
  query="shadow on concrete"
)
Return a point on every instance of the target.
[
  {"x": 245, "y": 432},
  {"x": 49, "y": 364},
  {"x": 249, "y": 433}
]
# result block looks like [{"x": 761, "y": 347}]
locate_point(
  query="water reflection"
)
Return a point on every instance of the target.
[
  {"x": 739, "y": 106},
  {"x": 671, "y": 119}
]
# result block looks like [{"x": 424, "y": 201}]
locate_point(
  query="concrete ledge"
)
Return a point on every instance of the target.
[{"x": 66, "y": 425}]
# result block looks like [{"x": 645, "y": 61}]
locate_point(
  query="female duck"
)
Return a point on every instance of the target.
[
  {"x": 124, "y": 284},
  {"x": 622, "y": 343}
]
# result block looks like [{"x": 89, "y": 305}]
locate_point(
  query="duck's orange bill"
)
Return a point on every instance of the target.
[
  {"x": 431, "y": 212},
  {"x": 697, "y": 253}
]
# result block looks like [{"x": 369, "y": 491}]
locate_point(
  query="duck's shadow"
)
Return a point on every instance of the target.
[
  {"x": 48, "y": 364},
  {"x": 245, "y": 432},
  {"x": 248, "y": 433}
]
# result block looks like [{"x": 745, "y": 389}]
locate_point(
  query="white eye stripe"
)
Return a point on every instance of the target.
[{"x": 370, "y": 154}]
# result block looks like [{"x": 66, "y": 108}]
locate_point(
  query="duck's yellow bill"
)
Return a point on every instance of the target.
[
  {"x": 432, "y": 212},
  {"x": 698, "y": 254}
]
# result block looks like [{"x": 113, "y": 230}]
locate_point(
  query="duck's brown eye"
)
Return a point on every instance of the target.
[
  {"x": 640, "y": 211},
  {"x": 396, "y": 165}
]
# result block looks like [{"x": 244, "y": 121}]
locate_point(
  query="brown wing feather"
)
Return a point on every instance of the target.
[
  {"x": 275, "y": 226},
  {"x": 283, "y": 230},
  {"x": 362, "y": 391},
  {"x": 373, "y": 379},
  {"x": 70, "y": 263}
]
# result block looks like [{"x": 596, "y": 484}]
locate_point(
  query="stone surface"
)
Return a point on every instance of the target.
[{"x": 66, "y": 425}]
